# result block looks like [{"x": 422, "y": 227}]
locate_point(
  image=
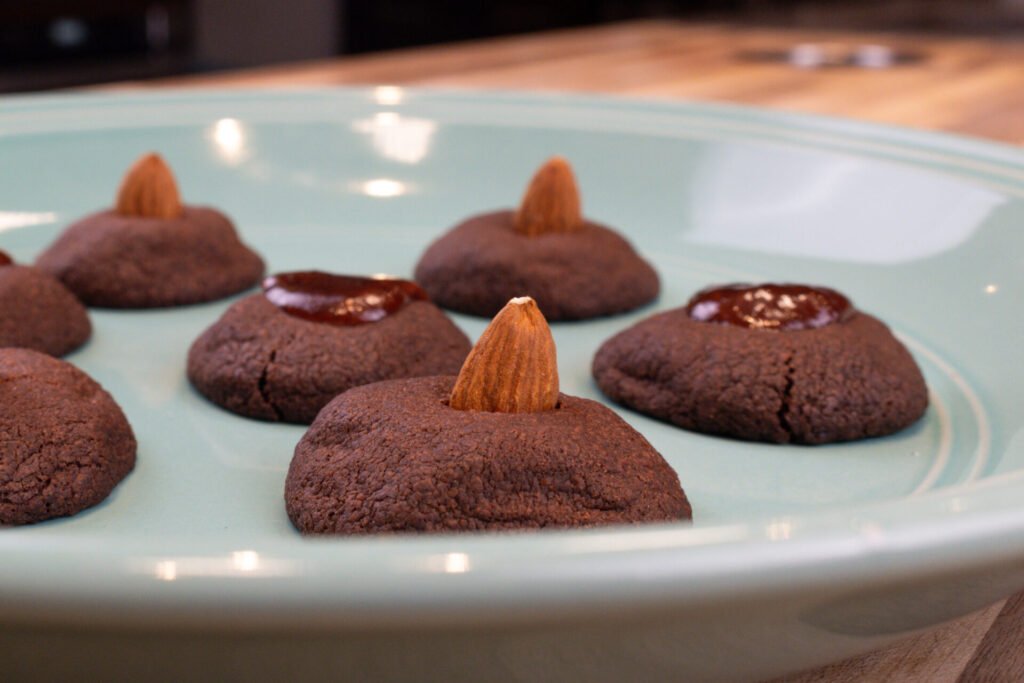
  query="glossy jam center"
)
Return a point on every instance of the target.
[
  {"x": 769, "y": 306},
  {"x": 5, "y": 260},
  {"x": 339, "y": 299}
]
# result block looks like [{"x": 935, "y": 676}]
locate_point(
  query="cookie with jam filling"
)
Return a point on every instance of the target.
[
  {"x": 282, "y": 354},
  {"x": 777, "y": 363}
]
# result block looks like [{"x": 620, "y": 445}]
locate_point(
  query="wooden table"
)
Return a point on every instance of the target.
[{"x": 964, "y": 85}]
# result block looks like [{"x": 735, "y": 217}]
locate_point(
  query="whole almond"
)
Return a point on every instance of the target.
[
  {"x": 148, "y": 189},
  {"x": 512, "y": 368},
  {"x": 551, "y": 202}
]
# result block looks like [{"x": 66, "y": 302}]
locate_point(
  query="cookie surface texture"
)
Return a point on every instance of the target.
[
  {"x": 116, "y": 261},
  {"x": 845, "y": 381},
  {"x": 64, "y": 443},
  {"x": 40, "y": 313},
  {"x": 260, "y": 362},
  {"x": 394, "y": 457},
  {"x": 481, "y": 263}
]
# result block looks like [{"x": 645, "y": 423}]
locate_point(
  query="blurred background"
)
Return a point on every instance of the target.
[{"x": 46, "y": 44}]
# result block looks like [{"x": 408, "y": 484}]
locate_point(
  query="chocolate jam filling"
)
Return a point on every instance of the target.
[
  {"x": 339, "y": 299},
  {"x": 770, "y": 306}
]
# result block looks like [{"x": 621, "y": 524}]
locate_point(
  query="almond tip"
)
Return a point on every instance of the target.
[
  {"x": 148, "y": 190},
  {"x": 551, "y": 202},
  {"x": 513, "y": 366}
]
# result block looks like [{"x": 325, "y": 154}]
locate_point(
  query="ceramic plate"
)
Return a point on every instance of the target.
[{"x": 796, "y": 555}]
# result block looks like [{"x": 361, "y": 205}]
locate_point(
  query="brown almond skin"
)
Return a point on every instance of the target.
[
  {"x": 551, "y": 202},
  {"x": 513, "y": 366},
  {"x": 149, "y": 190}
]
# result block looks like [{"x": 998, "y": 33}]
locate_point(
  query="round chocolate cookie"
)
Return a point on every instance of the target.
[
  {"x": 64, "y": 442},
  {"x": 119, "y": 261},
  {"x": 764, "y": 373},
  {"x": 39, "y": 312},
  {"x": 481, "y": 263},
  {"x": 260, "y": 361},
  {"x": 393, "y": 457}
]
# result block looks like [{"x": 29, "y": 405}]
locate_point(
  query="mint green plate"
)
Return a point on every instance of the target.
[{"x": 796, "y": 556}]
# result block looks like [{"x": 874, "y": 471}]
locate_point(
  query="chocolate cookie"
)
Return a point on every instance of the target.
[
  {"x": 64, "y": 442},
  {"x": 286, "y": 361},
  {"x": 39, "y": 312},
  {"x": 575, "y": 269},
  {"x": 779, "y": 363},
  {"x": 442, "y": 454},
  {"x": 150, "y": 250}
]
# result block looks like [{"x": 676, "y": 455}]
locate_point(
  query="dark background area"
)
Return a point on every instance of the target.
[{"x": 64, "y": 43}]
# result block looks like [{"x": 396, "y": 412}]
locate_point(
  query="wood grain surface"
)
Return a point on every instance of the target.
[
  {"x": 972, "y": 86},
  {"x": 965, "y": 85}
]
